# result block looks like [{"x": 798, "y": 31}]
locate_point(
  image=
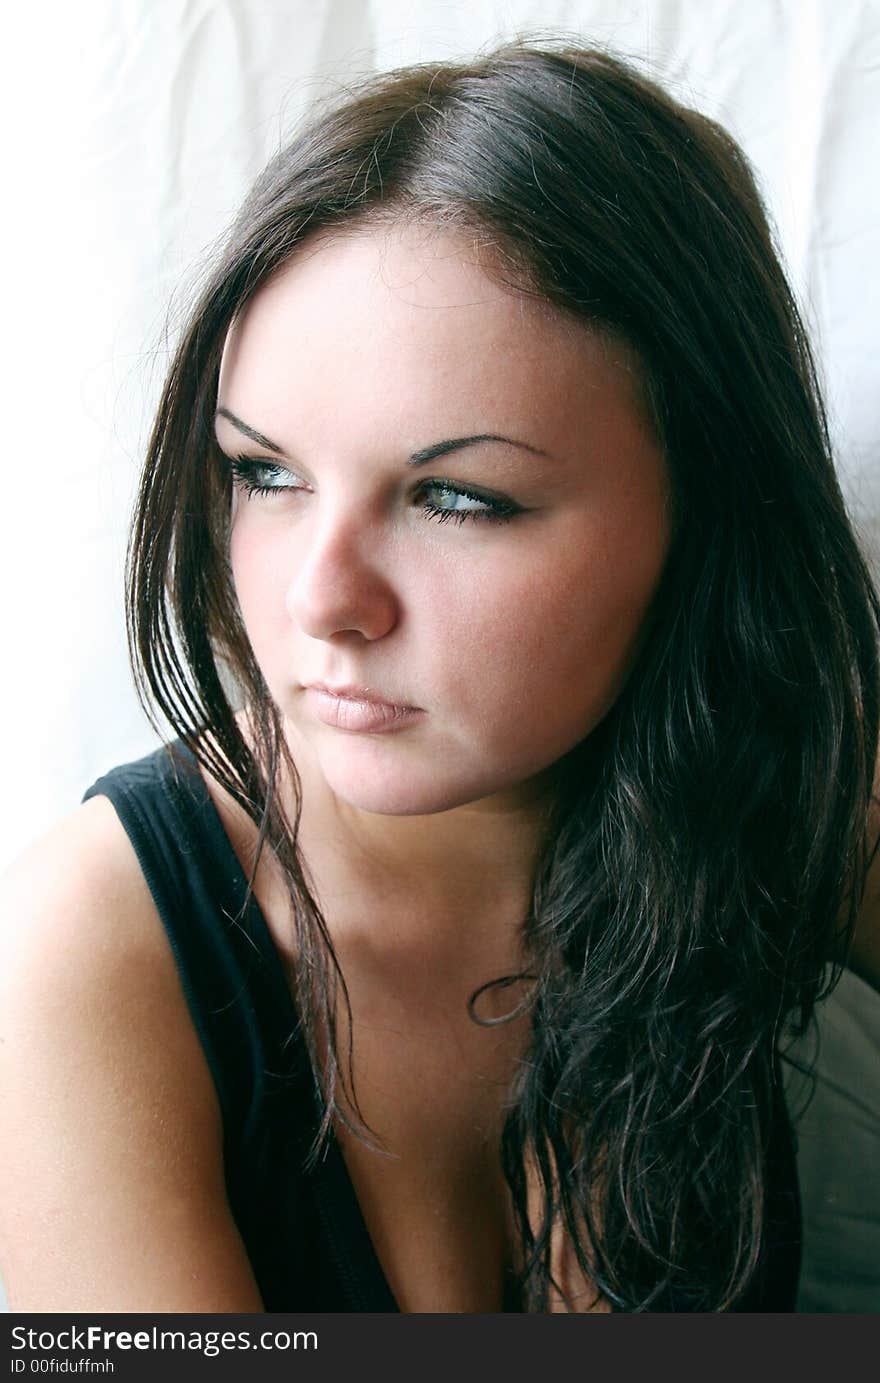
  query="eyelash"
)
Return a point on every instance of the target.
[{"x": 245, "y": 470}]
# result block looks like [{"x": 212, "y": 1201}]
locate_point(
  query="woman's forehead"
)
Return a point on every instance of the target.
[
  {"x": 389, "y": 279},
  {"x": 411, "y": 319}
]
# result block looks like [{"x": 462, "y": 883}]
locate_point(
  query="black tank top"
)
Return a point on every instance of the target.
[{"x": 303, "y": 1230}]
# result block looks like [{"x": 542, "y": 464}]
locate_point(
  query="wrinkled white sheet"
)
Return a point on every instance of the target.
[{"x": 137, "y": 126}]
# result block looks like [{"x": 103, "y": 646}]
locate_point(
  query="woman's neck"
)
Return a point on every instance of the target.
[{"x": 455, "y": 883}]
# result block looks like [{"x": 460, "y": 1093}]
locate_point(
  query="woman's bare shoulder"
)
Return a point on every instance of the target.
[
  {"x": 82, "y": 949},
  {"x": 75, "y": 901},
  {"x": 111, "y": 1167},
  {"x": 86, "y": 855}
]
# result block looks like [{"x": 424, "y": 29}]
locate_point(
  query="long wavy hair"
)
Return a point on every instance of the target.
[{"x": 709, "y": 845}]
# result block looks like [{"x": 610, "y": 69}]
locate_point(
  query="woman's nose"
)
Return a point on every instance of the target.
[{"x": 337, "y": 583}]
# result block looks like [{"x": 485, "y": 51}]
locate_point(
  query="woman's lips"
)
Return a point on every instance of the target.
[{"x": 355, "y": 714}]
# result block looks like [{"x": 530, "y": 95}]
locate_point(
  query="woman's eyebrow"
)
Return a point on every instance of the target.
[
  {"x": 249, "y": 432},
  {"x": 418, "y": 458}
]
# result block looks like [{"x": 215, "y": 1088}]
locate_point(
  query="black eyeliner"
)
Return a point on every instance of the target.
[{"x": 498, "y": 510}]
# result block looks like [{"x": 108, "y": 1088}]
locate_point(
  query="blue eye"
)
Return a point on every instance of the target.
[
  {"x": 260, "y": 477},
  {"x": 488, "y": 508},
  {"x": 266, "y": 478}
]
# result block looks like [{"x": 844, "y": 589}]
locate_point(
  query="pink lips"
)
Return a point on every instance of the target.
[{"x": 358, "y": 709}]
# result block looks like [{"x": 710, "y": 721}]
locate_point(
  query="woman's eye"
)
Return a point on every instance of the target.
[
  {"x": 261, "y": 477},
  {"x": 449, "y": 501},
  {"x": 459, "y": 504}
]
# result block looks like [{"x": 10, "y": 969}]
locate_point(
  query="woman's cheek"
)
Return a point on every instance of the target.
[{"x": 260, "y": 580}]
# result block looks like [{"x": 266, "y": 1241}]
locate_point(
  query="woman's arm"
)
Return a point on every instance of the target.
[{"x": 112, "y": 1194}]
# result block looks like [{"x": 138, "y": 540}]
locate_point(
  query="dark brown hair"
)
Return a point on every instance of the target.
[{"x": 713, "y": 828}]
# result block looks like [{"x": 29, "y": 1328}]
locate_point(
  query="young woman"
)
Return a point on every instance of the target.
[{"x": 491, "y": 570}]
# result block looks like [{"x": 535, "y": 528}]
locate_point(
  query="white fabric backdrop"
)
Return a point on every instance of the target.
[
  {"x": 138, "y": 127},
  {"x": 135, "y": 126}
]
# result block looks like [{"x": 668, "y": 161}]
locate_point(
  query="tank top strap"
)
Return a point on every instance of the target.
[
  {"x": 303, "y": 1232},
  {"x": 229, "y": 969}
]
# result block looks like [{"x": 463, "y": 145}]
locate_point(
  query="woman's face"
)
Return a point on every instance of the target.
[{"x": 498, "y": 587}]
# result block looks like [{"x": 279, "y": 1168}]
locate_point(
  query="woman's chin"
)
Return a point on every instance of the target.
[
  {"x": 402, "y": 793},
  {"x": 383, "y": 775},
  {"x": 426, "y": 790}
]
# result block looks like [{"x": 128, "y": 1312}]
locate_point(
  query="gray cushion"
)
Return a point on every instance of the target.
[{"x": 838, "y": 1135}]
